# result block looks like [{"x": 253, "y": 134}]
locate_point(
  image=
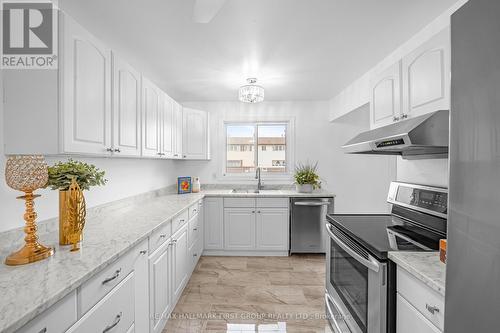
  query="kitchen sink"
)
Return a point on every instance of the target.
[{"x": 244, "y": 191}]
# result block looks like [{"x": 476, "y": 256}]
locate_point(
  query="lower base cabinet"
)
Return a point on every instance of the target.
[
  {"x": 410, "y": 320},
  {"x": 272, "y": 229},
  {"x": 180, "y": 261}
]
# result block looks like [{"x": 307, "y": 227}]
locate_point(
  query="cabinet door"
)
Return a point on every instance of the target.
[
  {"x": 239, "y": 228},
  {"x": 426, "y": 76},
  {"x": 272, "y": 229},
  {"x": 167, "y": 125},
  {"x": 195, "y": 129},
  {"x": 177, "y": 130},
  {"x": 141, "y": 272},
  {"x": 126, "y": 109},
  {"x": 180, "y": 260},
  {"x": 150, "y": 119},
  {"x": 386, "y": 96},
  {"x": 409, "y": 320},
  {"x": 160, "y": 287},
  {"x": 86, "y": 91},
  {"x": 213, "y": 227}
]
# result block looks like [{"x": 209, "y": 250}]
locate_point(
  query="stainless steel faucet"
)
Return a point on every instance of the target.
[{"x": 257, "y": 176}]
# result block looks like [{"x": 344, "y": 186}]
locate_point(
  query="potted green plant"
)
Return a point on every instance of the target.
[
  {"x": 306, "y": 177},
  {"x": 62, "y": 177}
]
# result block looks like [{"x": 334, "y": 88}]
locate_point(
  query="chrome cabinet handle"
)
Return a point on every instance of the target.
[
  {"x": 116, "y": 322},
  {"x": 110, "y": 150},
  {"x": 432, "y": 309},
  {"x": 43, "y": 330},
  {"x": 117, "y": 274},
  {"x": 370, "y": 263},
  {"x": 312, "y": 203},
  {"x": 258, "y": 212},
  {"x": 404, "y": 116},
  {"x": 163, "y": 236},
  {"x": 184, "y": 156},
  {"x": 194, "y": 229},
  {"x": 117, "y": 150},
  {"x": 195, "y": 255},
  {"x": 143, "y": 251},
  {"x": 174, "y": 241},
  {"x": 395, "y": 118}
]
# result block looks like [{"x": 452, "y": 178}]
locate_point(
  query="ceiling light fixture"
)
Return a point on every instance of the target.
[{"x": 251, "y": 93}]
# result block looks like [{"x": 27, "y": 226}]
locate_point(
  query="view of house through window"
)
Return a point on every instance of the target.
[{"x": 256, "y": 145}]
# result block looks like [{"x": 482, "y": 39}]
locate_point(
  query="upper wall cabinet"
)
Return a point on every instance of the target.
[
  {"x": 195, "y": 138},
  {"x": 150, "y": 119},
  {"x": 126, "y": 109},
  {"x": 177, "y": 130},
  {"x": 426, "y": 76},
  {"x": 385, "y": 103},
  {"x": 167, "y": 127}
]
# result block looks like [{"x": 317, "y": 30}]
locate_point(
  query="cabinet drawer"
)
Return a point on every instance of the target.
[
  {"x": 272, "y": 202},
  {"x": 409, "y": 319},
  {"x": 428, "y": 302},
  {"x": 160, "y": 236},
  {"x": 179, "y": 220},
  {"x": 57, "y": 319},
  {"x": 193, "y": 210},
  {"x": 239, "y": 202},
  {"x": 193, "y": 230},
  {"x": 96, "y": 288},
  {"x": 113, "y": 314}
]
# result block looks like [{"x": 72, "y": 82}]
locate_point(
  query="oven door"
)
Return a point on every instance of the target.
[{"x": 356, "y": 288}]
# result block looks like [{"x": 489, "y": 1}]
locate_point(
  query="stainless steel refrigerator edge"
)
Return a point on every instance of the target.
[{"x": 473, "y": 266}]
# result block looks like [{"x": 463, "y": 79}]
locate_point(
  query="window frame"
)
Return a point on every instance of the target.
[{"x": 289, "y": 149}]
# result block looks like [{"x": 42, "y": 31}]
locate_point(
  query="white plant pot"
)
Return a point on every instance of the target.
[{"x": 304, "y": 188}]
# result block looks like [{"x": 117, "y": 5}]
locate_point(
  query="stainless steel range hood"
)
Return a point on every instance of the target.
[{"x": 425, "y": 136}]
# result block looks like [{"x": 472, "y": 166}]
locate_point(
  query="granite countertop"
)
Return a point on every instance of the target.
[
  {"x": 425, "y": 266},
  {"x": 110, "y": 231},
  {"x": 266, "y": 194}
]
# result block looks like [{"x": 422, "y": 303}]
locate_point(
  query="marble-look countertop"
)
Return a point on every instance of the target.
[
  {"x": 266, "y": 194},
  {"x": 110, "y": 232},
  {"x": 425, "y": 266}
]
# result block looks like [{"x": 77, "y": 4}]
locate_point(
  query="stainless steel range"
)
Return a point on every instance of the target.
[{"x": 361, "y": 282}]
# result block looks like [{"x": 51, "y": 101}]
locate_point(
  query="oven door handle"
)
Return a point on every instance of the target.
[
  {"x": 312, "y": 203},
  {"x": 370, "y": 263},
  {"x": 337, "y": 328}
]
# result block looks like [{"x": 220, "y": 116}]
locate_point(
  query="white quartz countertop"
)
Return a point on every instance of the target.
[
  {"x": 425, "y": 266},
  {"x": 28, "y": 290}
]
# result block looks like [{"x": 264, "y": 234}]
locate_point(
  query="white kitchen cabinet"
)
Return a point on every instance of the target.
[
  {"x": 141, "y": 288},
  {"x": 57, "y": 319},
  {"x": 410, "y": 320},
  {"x": 160, "y": 287},
  {"x": 195, "y": 134},
  {"x": 177, "y": 130},
  {"x": 272, "y": 229},
  {"x": 426, "y": 76},
  {"x": 114, "y": 312},
  {"x": 86, "y": 91},
  {"x": 180, "y": 261},
  {"x": 150, "y": 119},
  {"x": 167, "y": 126},
  {"x": 239, "y": 228},
  {"x": 385, "y": 106},
  {"x": 126, "y": 109},
  {"x": 213, "y": 223}
]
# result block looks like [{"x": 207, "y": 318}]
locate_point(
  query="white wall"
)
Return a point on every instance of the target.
[
  {"x": 360, "y": 182},
  {"x": 427, "y": 172},
  {"x": 127, "y": 177}
]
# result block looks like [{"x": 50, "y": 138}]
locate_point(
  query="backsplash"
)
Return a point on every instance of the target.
[{"x": 428, "y": 172}]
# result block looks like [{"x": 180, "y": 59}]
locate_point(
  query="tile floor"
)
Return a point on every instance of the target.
[{"x": 253, "y": 294}]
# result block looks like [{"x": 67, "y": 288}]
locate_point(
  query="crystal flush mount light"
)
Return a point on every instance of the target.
[{"x": 251, "y": 92}]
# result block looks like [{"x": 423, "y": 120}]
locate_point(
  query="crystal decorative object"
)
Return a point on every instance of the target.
[
  {"x": 27, "y": 173},
  {"x": 251, "y": 93}
]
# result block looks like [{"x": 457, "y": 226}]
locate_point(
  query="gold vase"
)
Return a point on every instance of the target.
[{"x": 68, "y": 209}]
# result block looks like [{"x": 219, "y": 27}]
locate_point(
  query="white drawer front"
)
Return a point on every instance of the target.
[
  {"x": 160, "y": 236},
  {"x": 193, "y": 230},
  {"x": 272, "y": 202},
  {"x": 113, "y": 314},
  {"x": 96, "y": 288},
  {"x": 57, "y": 319},
  {"x": 239, "y": 202},
  {"x": 425, "y": 300},
  {"x": 179, "y": 221},
  {"x": 410, "y": 320},
  {"x": 193, "y": 210}
]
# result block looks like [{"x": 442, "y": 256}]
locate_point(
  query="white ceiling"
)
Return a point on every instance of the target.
[{"x": 298, "y": 49}]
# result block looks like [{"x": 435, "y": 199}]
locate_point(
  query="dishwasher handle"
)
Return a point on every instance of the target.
[{"x": 312, "y": 203}]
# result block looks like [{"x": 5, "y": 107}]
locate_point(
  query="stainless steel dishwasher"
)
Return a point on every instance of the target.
[{"x": 307, "y": 227}]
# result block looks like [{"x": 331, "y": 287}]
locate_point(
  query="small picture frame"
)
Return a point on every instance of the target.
[{"x": 184, "y": 185}]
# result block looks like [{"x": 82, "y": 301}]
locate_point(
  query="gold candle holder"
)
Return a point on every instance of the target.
[{"x": 28, "y": 173}]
